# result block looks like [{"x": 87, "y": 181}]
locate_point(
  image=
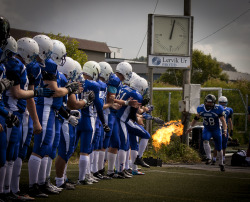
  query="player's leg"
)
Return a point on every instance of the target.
[
  {"x": 224, "y": 146},
  {"x": 65, "y": 150},
  {"x": 217, "y": 137},
  {"x": 13, "y": 139},
  {"x": 206, "y": 136},
  {"x": 86, "y": 134},
  {"x": 124, "y": 147},
  {"x": 27, "y": 131},
  {"x": 138, "y": 130},
  {"x": 134, "y": 143},
  {"x": 3, "y": 148},
  {"x": 41, "y": 148},
  {"x": 113, "y": 149}
]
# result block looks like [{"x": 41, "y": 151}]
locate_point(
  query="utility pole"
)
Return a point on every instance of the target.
[
  {"x": 187, "y": 75},
  {"x": 150, "y": 74}
]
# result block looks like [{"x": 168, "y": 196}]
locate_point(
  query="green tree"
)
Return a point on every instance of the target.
[
  {"x": 204, "y": 67},
  {"x": 71, "y": 47}
]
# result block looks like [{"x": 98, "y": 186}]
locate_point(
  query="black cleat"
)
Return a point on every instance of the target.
[
  {"x": 127, "y": 173},
  {"x": 48, "y": 189},
  {"x": 35, "y": 191},
  {"x": 208, "y": 161},
  {"x": 98, "y": 175},
  {"x": 139, "y": 161},
  {"x": 116, "y": 176},
  {"x": 123, "y": 174},
  {"x": 102, "y": 171},
  {"x": 23, "y": 196},
  {"x": 222, "y": 168},
  {"x": 67, "y": 186},
  {"x": 84, "y": 182}
]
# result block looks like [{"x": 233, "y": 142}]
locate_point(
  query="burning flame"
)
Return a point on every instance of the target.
[{"x": 163, "y": 135}]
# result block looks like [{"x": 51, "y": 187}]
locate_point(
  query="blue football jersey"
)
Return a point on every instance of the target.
[
  {"x": 61, "y": 82},
  {"x": 49, "y": 72},
  {"x": 3, "y": 112},
  {"x": 102, "y": 92},
  {"x": 34, "y": 69},
  {"x": 211, "y": 117},
  {"x": 89, "y": 85},
  {"x": 124, "y": 94},
  {"x": 16, "y": 70},
  {"x": 228, "y": 113}
]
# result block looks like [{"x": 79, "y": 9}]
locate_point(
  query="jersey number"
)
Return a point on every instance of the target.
[{"x": 209, "y": 121}]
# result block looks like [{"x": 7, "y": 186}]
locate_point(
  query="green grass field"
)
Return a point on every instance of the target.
[{"x": 158, "y": 184}]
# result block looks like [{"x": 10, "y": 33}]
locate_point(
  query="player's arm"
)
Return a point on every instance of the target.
[
  {"x": 73, "y": 103},
  {"x": 19, "y": 93},
  {"x": 31, "y": 106},
  {"x": 196, "y": 118},
  {"x": 59, "y": 92},
  {"x": 224, "y": 125},
  {"x": 110, "y": 101},
  {"x": 130, "y": 102},
  {"x": 140, "y": 120},
  {"x": 99, "y": 110}
]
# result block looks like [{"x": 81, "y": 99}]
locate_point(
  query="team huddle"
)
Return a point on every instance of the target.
[{"x": 49, "y": 96}]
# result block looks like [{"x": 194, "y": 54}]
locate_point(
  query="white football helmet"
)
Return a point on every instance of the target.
[
  {"x": 68, "y": 69},
  {"x": 58, "y": 52},
  {"x": 134, "y": 75},
  {"x": 92, "y": 69},
  {"x": 11, "y": 47},
  {"x": 140, "y": 84},
  {"x": 125, "y": 69},
  {"x": 28, "y": 49},
  {"x": 78, "y": 69},
  {"x": 106, "y": 70},
  {"x": 223, "y": 100},
  {"x": 45, "y": 46}
]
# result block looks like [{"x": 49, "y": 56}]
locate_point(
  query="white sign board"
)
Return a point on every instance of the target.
[
  {"x": 169, "y": 61},
  {"x": 192, "y": 94}
]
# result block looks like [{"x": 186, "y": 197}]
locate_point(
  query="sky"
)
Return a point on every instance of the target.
[{"x": 123, "y": 24}]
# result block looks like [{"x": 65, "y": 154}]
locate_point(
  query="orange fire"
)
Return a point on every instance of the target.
[{"x": 163, "y": 135}]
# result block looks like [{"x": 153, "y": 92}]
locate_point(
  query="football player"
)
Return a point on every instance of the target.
[
  {"x": 15, "y": 97},
  {"x": 228, "y": 113},
  {"x": 98, "y": 159},
  {"x": 212, "y": 114},
  {"x": 86, "y": 128},
  {"x": 46, "y": 108}
]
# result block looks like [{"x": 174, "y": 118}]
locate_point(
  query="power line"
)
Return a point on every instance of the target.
[
  {"x": 223, "y": 26},
  {"x": 146, "y": 32}
]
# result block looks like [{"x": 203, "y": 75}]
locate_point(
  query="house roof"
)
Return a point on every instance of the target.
[
  {"x": 83, "y": 43},
  {"x": 234, "y": 76}
]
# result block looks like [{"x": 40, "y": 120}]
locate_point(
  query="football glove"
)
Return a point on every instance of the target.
[
  {"x": 43, "y": 91},
  {"x": 150, "y": 108},
  {"x": 5, "y": 84},
  {"x": 75, "y": 113},
  {"x": 106, "y": 128},
  {"x": 145, "y": 101},
  {"x": 89, "y": 98},
  {"x": 12, "y": 120},
  {"x": 73, "y": 120},
  {"x": 72, "y": 87}
]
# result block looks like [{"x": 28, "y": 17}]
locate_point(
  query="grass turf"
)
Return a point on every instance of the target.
[{"x": 158, "y": 184}]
